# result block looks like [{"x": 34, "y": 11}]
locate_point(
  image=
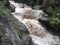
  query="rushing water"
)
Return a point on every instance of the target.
[{"x": 38, "y": 33}]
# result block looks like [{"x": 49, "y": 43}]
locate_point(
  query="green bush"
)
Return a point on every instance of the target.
[
  {"x": 50, "y": 10},
  {"x": 3, "y": 10},
  {"x": 54, "y": 19}
]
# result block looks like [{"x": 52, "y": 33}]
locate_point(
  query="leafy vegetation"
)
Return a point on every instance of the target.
[
  {"x": 55, "y": 16},
  {"x": 3, "y": 10},
  {"x": 49, "y": 10}
]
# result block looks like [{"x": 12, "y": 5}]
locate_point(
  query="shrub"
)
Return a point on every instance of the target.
[
  {"x": 49, "y": 10},
  {"x": 1, "y": 9},
  {"x": 54, "y": 19}
]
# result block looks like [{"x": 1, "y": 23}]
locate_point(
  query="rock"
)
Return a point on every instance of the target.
[
  {"x": 36, "y": 7},
  {"x": 13, "y": 3},
  {"x": 22, "y": 32},
  {"x": 21, "y": 26},
  {"x": 12, "y": 7},
  {"x": 44, "y": 17},
  {"x": 44, "y": 20},
  {"x": 26, "y": 6},
  {"x": 21, "y": 5},
  {"x": 38, "y": 13},
  {"x": 11, "y": 33}
]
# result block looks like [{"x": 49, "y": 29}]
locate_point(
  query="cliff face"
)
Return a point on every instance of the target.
[{"x": 14, "y": 32}]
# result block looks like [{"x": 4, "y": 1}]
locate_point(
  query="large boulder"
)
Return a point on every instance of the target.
[
  {"x": 14, "y": 32},
  {"x": 44, "y": 17},
  {"x": 12, "y": 7},
  {"x": 44, "y": 20},
  {"x": 36, "y": 7}
]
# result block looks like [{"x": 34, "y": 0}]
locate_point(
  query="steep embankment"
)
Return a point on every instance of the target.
[{"x": 12, "y": 31}]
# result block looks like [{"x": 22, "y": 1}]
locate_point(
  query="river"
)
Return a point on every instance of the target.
[{"x": 38, "y": 33}]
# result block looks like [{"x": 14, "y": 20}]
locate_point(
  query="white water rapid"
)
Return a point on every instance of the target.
[{"x": 38, "y": 33}]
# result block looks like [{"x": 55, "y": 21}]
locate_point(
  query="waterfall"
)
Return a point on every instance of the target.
[{"x": 37, "y": 32}]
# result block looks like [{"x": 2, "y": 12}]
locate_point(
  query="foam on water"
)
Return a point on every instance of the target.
[
  {"x": 38, "y": 33},
  {"x": 39, "y": 37}
]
